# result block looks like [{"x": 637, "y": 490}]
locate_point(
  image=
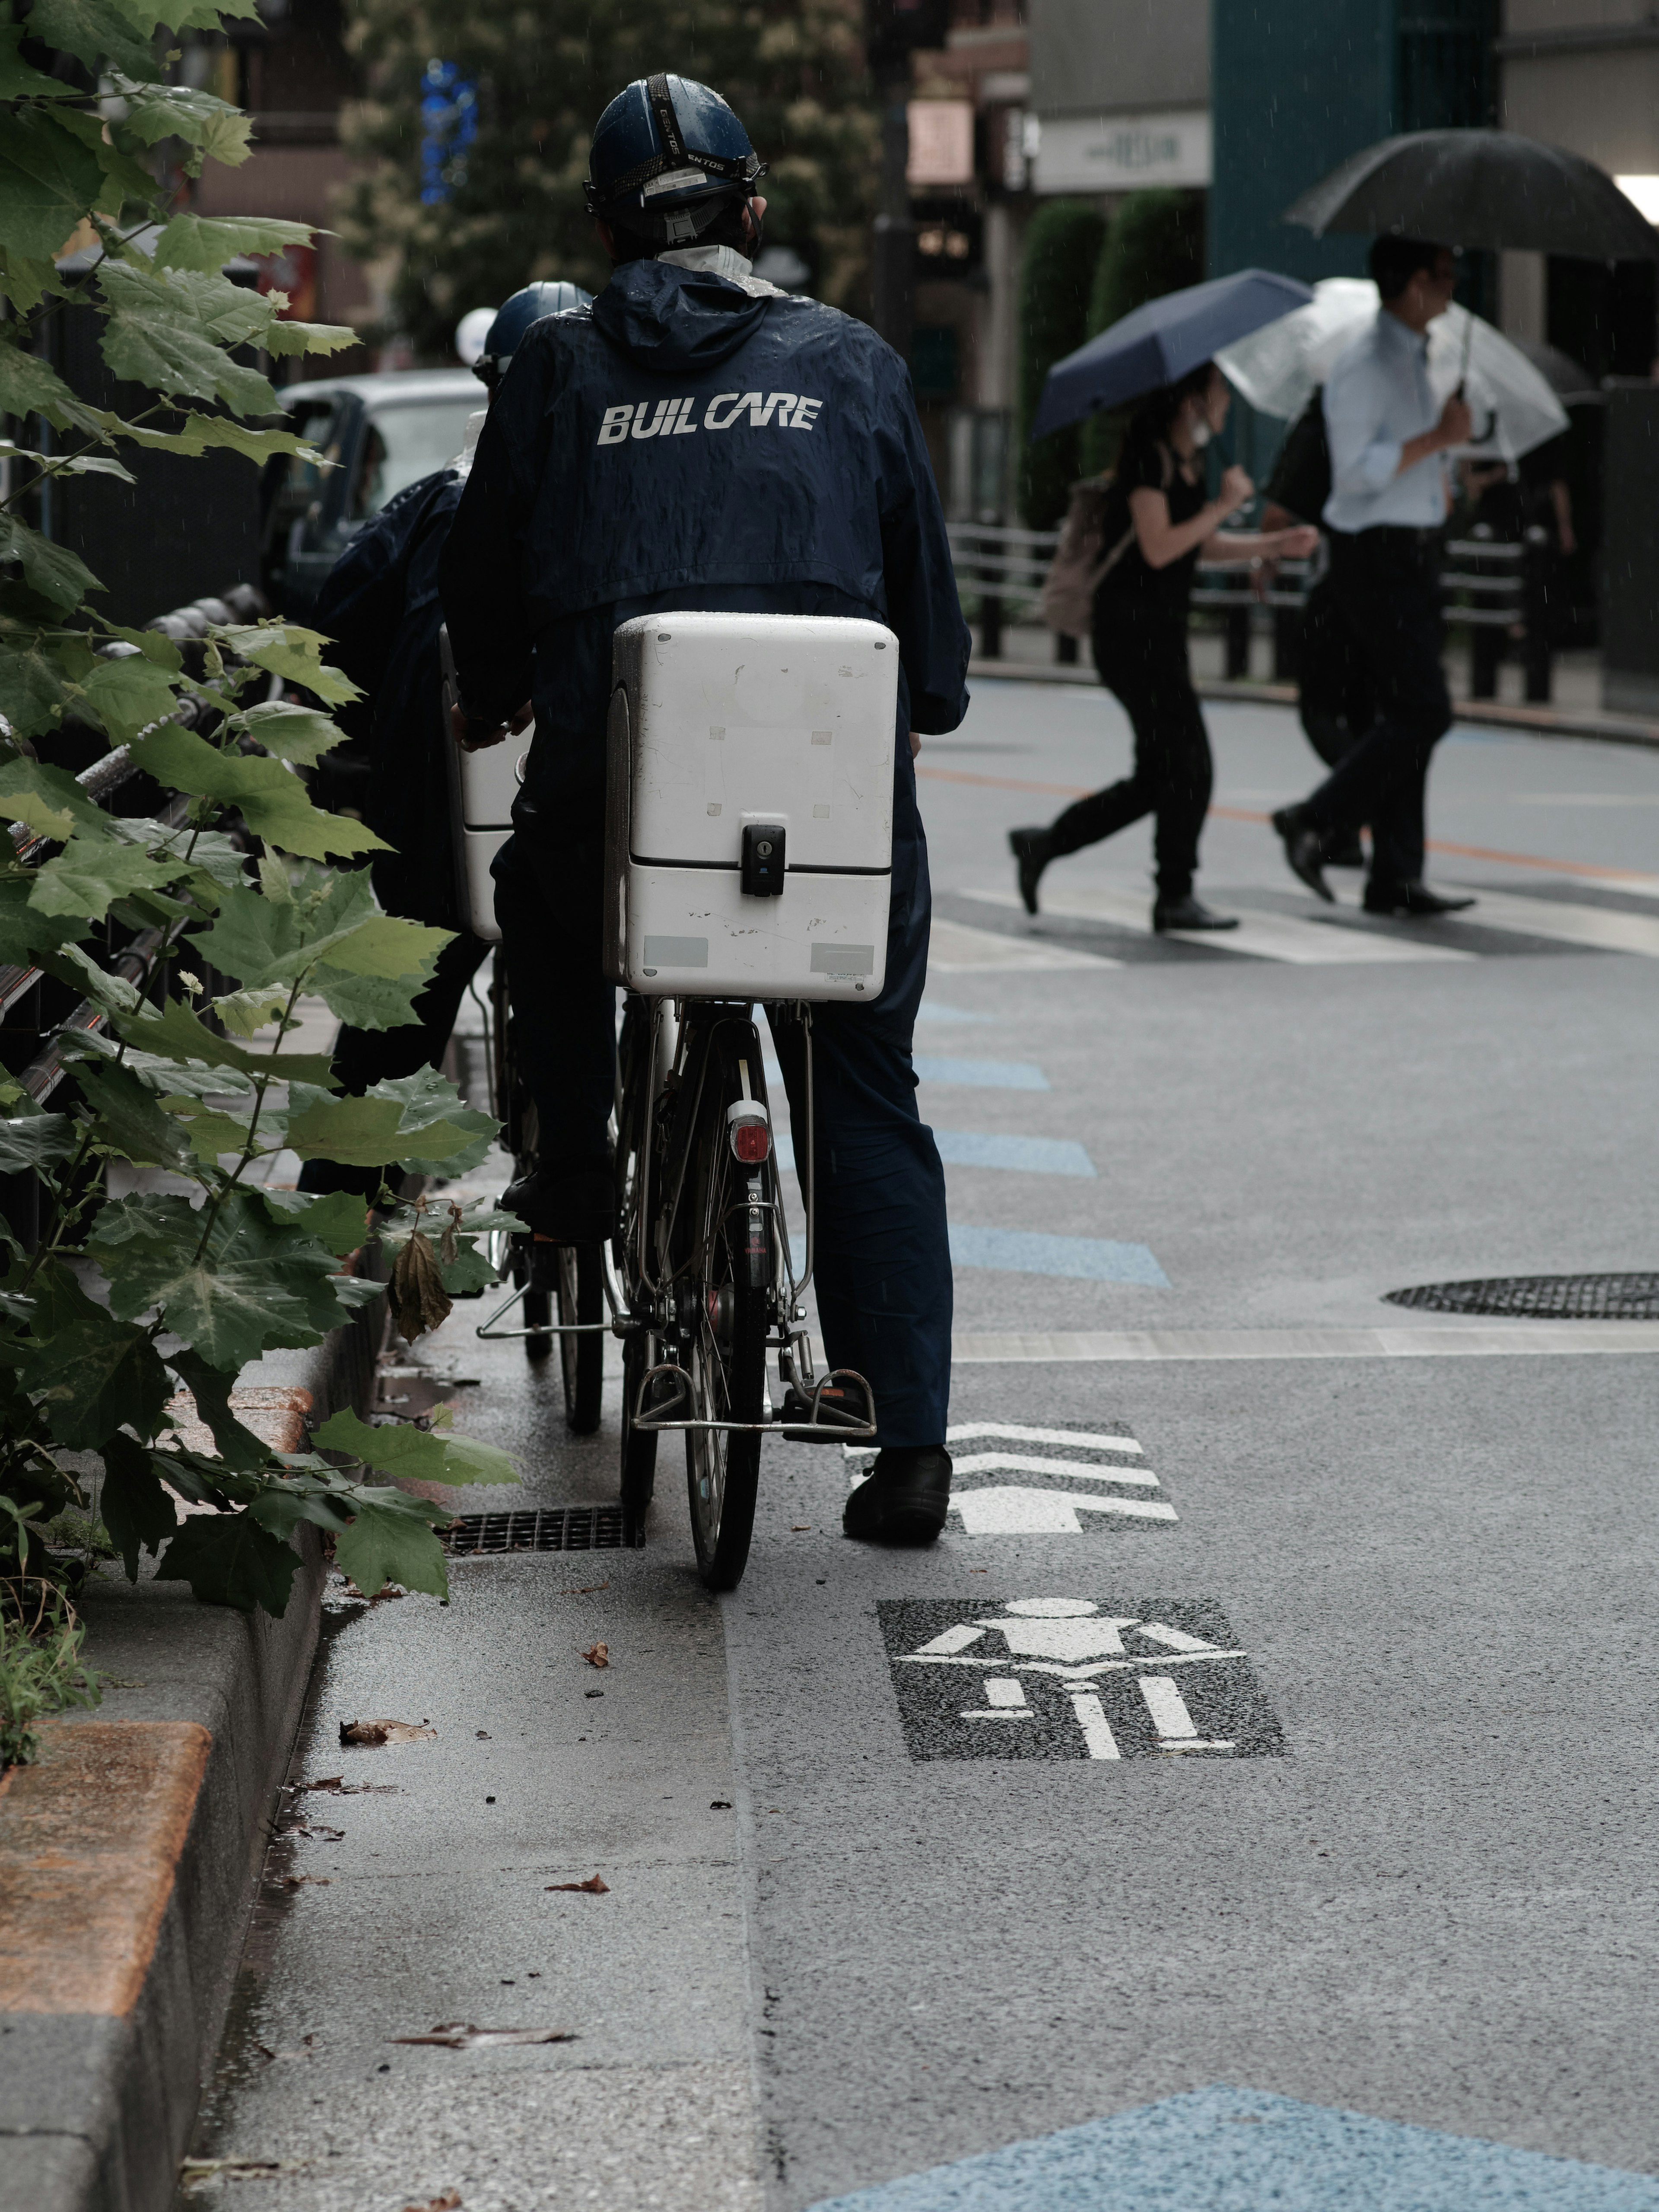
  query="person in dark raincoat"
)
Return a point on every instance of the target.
[
  {"x": 381, "y": 607},
  {"x": 699, "y": 440}
]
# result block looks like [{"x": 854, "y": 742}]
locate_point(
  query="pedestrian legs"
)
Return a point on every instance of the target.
[{"x": 550, "y": 907}]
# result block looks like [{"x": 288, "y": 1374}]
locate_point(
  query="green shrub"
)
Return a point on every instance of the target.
[
  {"x": 1156, "y": 245},
  {"x": 1062, "y": 246},
  {"x": 40, "y": 1675}
]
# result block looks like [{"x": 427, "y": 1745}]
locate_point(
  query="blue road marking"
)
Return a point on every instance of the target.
[
  {"x": 1222, "y": 2149},
  {"x": 981, "y": 1148},
  {"x": 978, "y": 1148},
  {"x": 983, "y": 1074},
  {"x": 1089, "y": 1259}
]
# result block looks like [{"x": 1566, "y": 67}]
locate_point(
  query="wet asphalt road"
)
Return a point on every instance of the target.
[{"x": 1376, "y": 1836}]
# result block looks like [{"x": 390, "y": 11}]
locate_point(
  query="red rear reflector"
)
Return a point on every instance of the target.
[{"x": 751, "y": 1141}]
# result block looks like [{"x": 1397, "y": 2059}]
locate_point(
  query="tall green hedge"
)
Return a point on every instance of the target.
[
  {"x": 1062, "y": 247},
  {"x": 1155, "y": 244}
]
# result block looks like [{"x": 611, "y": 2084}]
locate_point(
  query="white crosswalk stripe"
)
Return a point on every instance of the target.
[
  {"x": 1260, "y": 936},
  {"x": 1605, "y": 928}
]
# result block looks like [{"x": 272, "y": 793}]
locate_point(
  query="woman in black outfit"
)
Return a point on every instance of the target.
[{"x": 1157, "y": 525}]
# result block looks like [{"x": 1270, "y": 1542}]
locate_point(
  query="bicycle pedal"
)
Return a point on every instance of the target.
[{"x": 842, "y": 1405}]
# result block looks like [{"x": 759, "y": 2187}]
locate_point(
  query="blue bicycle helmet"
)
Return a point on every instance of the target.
[
  {"x": 507, "y": 332},
  {"x": 668, "y": 157}
]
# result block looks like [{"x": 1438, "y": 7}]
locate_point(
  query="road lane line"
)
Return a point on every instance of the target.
[
  {"x": 1021, "y": 1463},
  {"x": 1514, "y": 1339},
  {"x": 1098, "y": 1736},
  {"x": 1018, "y": 1433},
  {"x": 1604, "y": 928},
  {"x": 1283, "y": 938}
]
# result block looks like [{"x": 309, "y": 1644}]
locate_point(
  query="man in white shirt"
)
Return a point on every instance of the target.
[{"x": 1390, "y": 497}]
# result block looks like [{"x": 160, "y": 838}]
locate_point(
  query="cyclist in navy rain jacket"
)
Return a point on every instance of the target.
[{"x": 699, "y": 440}]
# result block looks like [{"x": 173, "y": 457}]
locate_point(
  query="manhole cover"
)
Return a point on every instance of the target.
[
  {"x": 563, "y": 1528},
  {"x": 1541, "y": 1297}
]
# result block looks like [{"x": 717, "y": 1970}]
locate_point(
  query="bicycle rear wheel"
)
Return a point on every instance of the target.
[
  {"x": 729, "y": 1276},
  {"x": 581, "y": 1300}
]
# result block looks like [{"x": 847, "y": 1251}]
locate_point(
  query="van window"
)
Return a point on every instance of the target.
[
  {"x": 404, "y": 442},
  {"x": 301, "y": 486}
]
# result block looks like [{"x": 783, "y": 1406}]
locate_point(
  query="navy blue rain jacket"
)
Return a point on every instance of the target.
[
  {"x": 380, "y": 606},
  {"x": 683, "y": 444}
]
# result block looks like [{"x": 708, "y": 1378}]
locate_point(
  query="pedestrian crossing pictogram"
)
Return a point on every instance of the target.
[
  {"x": 1009, "y": 1478},
  {"x": 1074, "y": 1678}
]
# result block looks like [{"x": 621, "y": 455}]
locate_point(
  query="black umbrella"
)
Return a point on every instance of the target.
[{"x": 1479, "y": 188}]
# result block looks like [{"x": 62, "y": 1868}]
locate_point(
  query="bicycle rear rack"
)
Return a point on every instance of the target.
[{"x": 827, "y": 1425}]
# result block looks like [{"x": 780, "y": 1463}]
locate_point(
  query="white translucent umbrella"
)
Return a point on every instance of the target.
[{"x": 1277, "y": 368}]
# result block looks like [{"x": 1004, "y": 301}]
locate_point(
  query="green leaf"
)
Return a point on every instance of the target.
[
  {"x": 386, "y": 1543},
  {"x": 170, "y": 330},
  {"x": 123, "y": 178},
  {"x": 198, "y": 241},
  {"x": 336, "y": 1218},
  {"x": 94, "y": 31},
  {"x": 71, "y": 965},
  {"x": 286, "y": 335},
  {"x": 211, "y": 432},
  {"x": 18, "y": 79},
  {"x": 255, "y": 1283},
  {"x": 292, "y": 733},
  {"x": 89, "y": 1373},
  {"x": 356, "y": 1131},
  {"x": 150, "y": 642},
  {"x": 132, "y": 1504},
  {"x": 433, "y": 1105},
  {"x": 209, "y": 1131},
  {"x": 26, "y": 781},
  {"x": 25, "y": 935},
  {"x": 264, "y": 939},
  {"x": 245, "y": 1012},
  {"x": 274, "y": 804},
  {"x": 48, "y": 180},
  {"x": 286, "y": 650},
  {"x": 30, "y": 385},
  {"x": 175, "y": 1033},
  {"x": 33, "y": 1141},
  {"x": 413, "y": 1453},
  {"x": 228, "y": 1558},
  {"x": 90, "y": 874},
  {"x": 129, "y": 1120},
  {"x": 240, "y": 1449},
  {"x": 222, "y": 132},
  {"x": 26, "y": 280},
  {"x": 53, "y": 570},
  {"x": 282, "y": 1502},
  {"x": 129, "y": 694}
]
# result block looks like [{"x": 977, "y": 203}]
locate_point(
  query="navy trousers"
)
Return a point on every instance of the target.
[{"x": 883, "y": 1261}]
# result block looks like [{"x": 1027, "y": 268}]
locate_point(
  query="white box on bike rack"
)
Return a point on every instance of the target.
[
  {"x": 483, "y": 786},
  {"x": 720, "y": 720}
]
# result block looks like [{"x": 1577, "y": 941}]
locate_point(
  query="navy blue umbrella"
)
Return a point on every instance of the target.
[{"x": 1160, "y": 341}]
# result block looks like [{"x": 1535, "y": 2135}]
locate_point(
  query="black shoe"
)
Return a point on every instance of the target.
[
  {"x": 1343, "y": 850},
  {"x": 1189, "y": 913},
  {"x": 577, "y": 1208},
  {"x": 1415, "y": 900},
  {"x": 1032, "y": 849},
  {"x": 904, "y": 1498},
  {"x": 1304, "y": 848}
]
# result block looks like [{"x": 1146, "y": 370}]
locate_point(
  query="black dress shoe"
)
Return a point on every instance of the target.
[
  {"x": 904, "y": 1498},
  {"x": 1304, "y": 848},
  {"x": 1032, "y": 849},
  {"x": 1189, "y": 913},
  {"x": 576, "y": 1208},
  {"x": 1415, "y": 900}
]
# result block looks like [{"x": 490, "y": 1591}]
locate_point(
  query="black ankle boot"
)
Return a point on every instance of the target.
[
  {"x": 1033, "y": 849},
  {"x": 903, "y": 1499}
]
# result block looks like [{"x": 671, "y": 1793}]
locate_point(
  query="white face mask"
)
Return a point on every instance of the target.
[{"x": 1198, "y": 426}]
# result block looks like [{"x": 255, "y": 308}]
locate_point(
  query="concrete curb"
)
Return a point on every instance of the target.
[
  {"x": 1483, "y": 713},
  {"x": 130, "y": 1856}
]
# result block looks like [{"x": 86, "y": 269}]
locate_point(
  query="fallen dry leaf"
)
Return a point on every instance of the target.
[
  {"x": 372, "y": 1732},
  {"x": 419, "y": 1300},
  {"x": 306, "y": 1881},
  {"x": 720, "y": 1804},
  {"x": 453, "y": 2035},
  {"x": 447, "y": 2203},
  {"x": 800, "y": 1527},
  {"x": 204, "y": 2169},
  {"x": 315, "y": 1831},
  {"x": 598, "y": 1655},
  {"x": 593, "y": 1886},
  {"x": 340, "y": 1787},
  {"x": 380, "y": 1597}
]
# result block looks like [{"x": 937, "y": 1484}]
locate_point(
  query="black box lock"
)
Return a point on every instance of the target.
[{"x": 763, "y": 859}]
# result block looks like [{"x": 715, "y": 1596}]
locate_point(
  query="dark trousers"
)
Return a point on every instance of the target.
[
  {"x": 1141, "y": 657},
  {"x": 365, "y": 1057},
  {"x": 1385, "y": 586},
  {"x": 1334, "y": 685},
  {"x": 882, "y": 1261}
]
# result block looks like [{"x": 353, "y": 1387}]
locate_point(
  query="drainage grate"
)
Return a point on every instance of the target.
[
  {"x": 1542, "y": 1298},
  {"x": 561, "y": 1528}
]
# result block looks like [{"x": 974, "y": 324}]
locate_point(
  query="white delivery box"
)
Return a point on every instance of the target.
[
  {"x": 483, "y": 786},
  {"x": 748, "y": 818}
]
